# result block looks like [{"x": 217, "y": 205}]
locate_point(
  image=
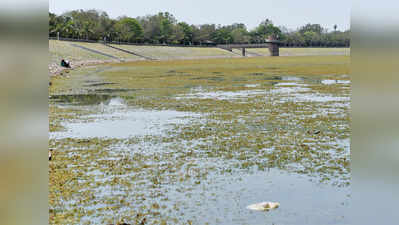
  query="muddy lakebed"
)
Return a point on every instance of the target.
[{"x": 196, "y": 142}]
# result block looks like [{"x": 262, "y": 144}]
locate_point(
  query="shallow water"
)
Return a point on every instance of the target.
[
  {"x": 201, "y": 152},
  {"x": 121, "y": 123},
  {"x": 301, "y": 201}
]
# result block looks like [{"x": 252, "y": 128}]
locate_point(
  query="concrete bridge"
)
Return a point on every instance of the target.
[{"x": 273, "y": 47}]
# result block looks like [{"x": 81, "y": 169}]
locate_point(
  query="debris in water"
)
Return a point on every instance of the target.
[
  {"x": 50, "y": 154},
  {"x": 264, "y": 206},
  {"x": 314, "y": 132}
]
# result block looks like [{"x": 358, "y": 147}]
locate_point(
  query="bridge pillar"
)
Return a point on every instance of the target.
[
  {"x": 243, "y": 51},
  {"x": 274, "y": 49}
]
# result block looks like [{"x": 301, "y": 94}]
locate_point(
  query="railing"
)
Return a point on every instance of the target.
[
  {"x": 73, "y": 39},
  {"x": 231, "y": 46},
  {"x": 281, "y": 44},
  {"x": 130, "y": 43}
]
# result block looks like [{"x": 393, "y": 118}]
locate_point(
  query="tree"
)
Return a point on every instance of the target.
[
  {"x": 164, "y": 28},
  {"x": 104, "y": 26},
  {"x": 187, "y": 33},
  {"x": 312, "y": 27},
  {"x": 52, "y": 20},
  {"x": 158, "y": 28},
  {"x": 129, "y": 30},
  {"x": 222, "y": 35},
  {"x": 167, "y": 22},
  {"x": 266, "y": 29},
  {"x": 177, "y": 36},
  {"x": 151, "y": 28},
  {"x": 206, "y": 32},
  {"x": 240, "y": 35}
]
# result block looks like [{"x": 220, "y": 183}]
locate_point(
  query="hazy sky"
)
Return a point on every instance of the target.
[{"x": 290, "y": 13}]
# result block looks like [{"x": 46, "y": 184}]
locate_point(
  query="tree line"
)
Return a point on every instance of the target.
[{"x": 163, "y": 28}]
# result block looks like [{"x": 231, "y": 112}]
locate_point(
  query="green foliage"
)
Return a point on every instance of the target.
[
  {"x": 188, "y": 33},
  {"x": 240, "y": 35},
  {"x": 159, "y": 28},
  {"x": 222, "y": 35},
  {"x": 129, "y": 30},
  {"x": 265, "y": 30},
  {"x": 311, "y": 27},
  {"x": 163, "y": 28}
]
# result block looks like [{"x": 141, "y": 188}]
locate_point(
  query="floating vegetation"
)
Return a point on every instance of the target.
[
  {"x": 199, "y": 149},
  {"x": 80, "y": 99}
]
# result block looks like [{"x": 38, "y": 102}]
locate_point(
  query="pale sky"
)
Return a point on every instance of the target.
[{"x": 290, "y": 13}]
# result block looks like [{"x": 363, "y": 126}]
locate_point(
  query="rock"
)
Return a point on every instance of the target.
[{"x": 263, "y": 206}]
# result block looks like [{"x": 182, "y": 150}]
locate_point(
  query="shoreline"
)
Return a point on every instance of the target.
[{"x": 56, "y": 70}]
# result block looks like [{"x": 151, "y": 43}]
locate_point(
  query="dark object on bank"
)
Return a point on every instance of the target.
[
  {"x": 50, "y": 154},
  {"x": 65, "y": 63}
]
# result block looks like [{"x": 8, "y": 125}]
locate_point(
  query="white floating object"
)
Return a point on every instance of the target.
[{"x": 264, "y": 206}]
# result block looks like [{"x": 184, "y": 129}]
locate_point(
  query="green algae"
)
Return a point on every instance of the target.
[{"x": 114, "y": 180}]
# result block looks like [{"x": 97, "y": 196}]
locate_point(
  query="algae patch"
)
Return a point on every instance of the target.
[{"x": 196, "y": 141}]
